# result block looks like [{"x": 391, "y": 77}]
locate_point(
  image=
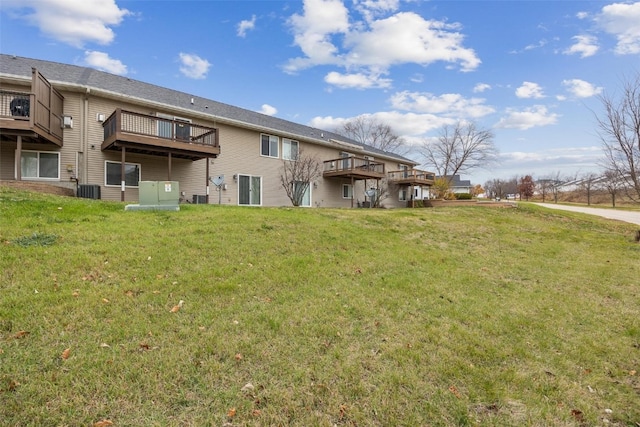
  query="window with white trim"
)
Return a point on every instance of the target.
[
  {"x": 40, "y": 165},
  {"x": 113, "y": 174},
  {"x": 269, "y": 145},
  {"x": 347, "y": 191},
  {"x": 289, "y": 149}
]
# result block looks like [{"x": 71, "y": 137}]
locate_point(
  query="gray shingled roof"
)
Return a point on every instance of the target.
[{"x": 89, "y": 77}]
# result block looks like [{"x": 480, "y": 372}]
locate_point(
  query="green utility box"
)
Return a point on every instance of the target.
[
  {"x": 160, "y": 195},
  {"x": 159, "y": 192}
]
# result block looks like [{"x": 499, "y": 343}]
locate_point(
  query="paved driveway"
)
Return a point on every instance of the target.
[{"x": 627, "y": 216}]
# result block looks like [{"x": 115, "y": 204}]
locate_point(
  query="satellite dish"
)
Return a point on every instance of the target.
[
  {"x": 218, "y": 180},
  {"x": 371, "y": 193}
]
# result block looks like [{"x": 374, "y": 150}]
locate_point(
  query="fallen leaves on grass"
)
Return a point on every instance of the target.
[
  {"x": 103, "y": 423},
  {"x": 247, "y": 388},
  {"x": 231, "y": 413},
  {"x": 453, "y": 389},
  {"x": 12, "y": 385},
  {"x": 578, "y": 415},
  {"x": 238, "y": 357},
  {"x": 343, "y": 411},
  {"x": 21, "y": 334},
  {"x": 176, "y": 308},
  {"x": 65, "y": 354}
]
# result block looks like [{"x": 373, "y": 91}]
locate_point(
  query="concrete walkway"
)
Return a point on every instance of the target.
[{"x": 632, "y": 217}]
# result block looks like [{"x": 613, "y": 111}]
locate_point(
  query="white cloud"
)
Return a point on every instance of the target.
[
  {"x": 541, "y": 43},
  {"x": 313, "y": 31},
  {"x": 74, "y": 22},
  {"x": 529, "y": 90},
  {"x": 566, "y": 160},
  {"x": 372, "y": 8},
  {"x": 481, "y": 87},
  {"x": 581, "y": 89},
  {"x": 410, "y": 126},
  {"x": 246, "y": 25},
  {"x": 623, "y": 21},
  {"x": 582, "y": 15},
  {"x": 268, "y": 110},
  {"x": 585, "y": 46},
  {"x": 530, "y": 117},
  {"x": 101, "y": 61},
  {"x": 326, "y": 37},
  {"x": 193, "y": 66},
  {"x": 448, "y": 104},
  {"x": 408, "y": 38},
  {"x": 356, "y": 80}
]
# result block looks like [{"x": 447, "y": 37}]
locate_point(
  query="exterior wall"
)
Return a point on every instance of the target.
[{"x": 81, "y": 157}]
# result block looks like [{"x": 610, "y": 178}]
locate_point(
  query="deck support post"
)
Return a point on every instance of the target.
[
  {"x": 18, "y": 160},
  {"x": 122, "y": 173},
  {"x": 207, "y": 180}
]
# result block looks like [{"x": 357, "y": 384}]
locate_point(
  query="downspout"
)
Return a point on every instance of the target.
[{"x": 85, "y": 138}]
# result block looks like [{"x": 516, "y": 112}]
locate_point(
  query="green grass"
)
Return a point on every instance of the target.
[{"x": 468, "y": 316}]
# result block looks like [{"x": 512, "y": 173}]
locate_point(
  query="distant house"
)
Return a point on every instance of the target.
[
  {"x": 103, "y": 134},
  {"x": 458, "y": 185}
]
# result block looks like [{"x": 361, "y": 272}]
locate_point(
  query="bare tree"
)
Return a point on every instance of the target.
[
  {"x": 496, "y": 188},
  {"x": 367, "y": 130},
  {"x": 460, "y": 148},
  {"x": 612, "y": 183},
  {"x": 298, "y": 174},
  {"x": 619, "y": 131},
  {"x": 551, "y": 184},
  {"x": 588, "y": 184}
]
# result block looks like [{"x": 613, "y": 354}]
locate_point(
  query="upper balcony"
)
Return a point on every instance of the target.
[
  {"x": 36, "y": 116},
  {"x": 412, "y": 177},
  {"x": 354, "y": 168},
  {"x": 142, "y": 133}
]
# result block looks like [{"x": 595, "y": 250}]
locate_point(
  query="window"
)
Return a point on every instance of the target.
[
  {"x": 402, "y": 196},
  {"x": 347, "y": 191},
  {"x": 40, "y": 165},
  {"x": 249, "y": 190},
  {"x": 269, "y": 145},
  {"x": 303, "y": 189},
  {"x": 289, "y": 149},
  {"x": 131, "y": 174}
]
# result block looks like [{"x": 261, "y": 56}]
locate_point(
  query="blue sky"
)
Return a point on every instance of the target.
[{"x": 529, "y": 70}]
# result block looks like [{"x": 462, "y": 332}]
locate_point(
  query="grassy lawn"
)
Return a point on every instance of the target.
[{"x": 315, "y": 317}]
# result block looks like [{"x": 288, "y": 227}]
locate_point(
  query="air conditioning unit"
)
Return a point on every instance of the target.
[
  {"x": 87, "y": 191},
  {"x": 199, "y": 199}
]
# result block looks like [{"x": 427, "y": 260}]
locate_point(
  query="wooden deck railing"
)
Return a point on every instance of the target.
[
  {"x": 410, "y": 176},
  {"x": 354, "y": 166},
  {"x": 121, "y": 122}
]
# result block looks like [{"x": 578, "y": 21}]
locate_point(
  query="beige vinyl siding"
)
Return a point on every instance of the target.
[{"x": 240, "y": 155}]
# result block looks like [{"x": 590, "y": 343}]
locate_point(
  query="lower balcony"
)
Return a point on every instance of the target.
[
  {"x": 146, "y": 134},
  {"x": 412, "y": 177},
  {"x": 34, "y": 116},
  {"x": 353, "y": 168}
]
